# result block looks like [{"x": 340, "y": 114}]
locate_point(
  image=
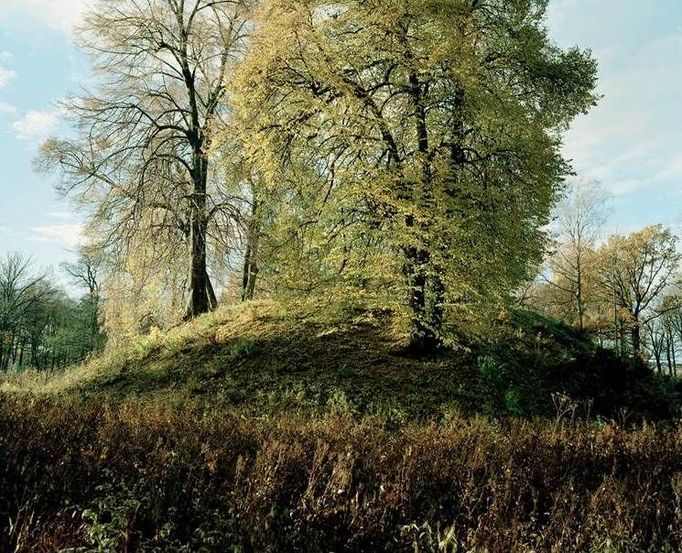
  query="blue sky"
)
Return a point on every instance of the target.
[
  {"x": 631, "y": 143},
  {"x": 38, "y": 67}
]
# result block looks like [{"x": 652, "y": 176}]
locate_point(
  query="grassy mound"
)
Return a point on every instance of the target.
[{"x": 265, "y": 359}]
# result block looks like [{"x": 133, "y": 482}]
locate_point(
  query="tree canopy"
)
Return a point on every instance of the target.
[{"x": 430, "y": 129}]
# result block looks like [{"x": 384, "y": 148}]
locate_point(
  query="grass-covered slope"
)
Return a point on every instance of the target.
[{"x": 264, "y": 358}]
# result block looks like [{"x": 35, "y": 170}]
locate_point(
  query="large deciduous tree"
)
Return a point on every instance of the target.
[
  {"x": 434, "y": 124},
  {"x": 140, "y": 157}
]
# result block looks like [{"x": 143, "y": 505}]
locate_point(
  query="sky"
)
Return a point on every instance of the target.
[{"x": 631, "y": 142}]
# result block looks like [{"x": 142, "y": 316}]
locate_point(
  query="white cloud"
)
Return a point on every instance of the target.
[
  {"x": 6, "y": 108},
  {"x": 69, "y": 235},
  {"x": 671, "y": 170},
  {"x": 35, "y": 126},
  {"x": 7, "y": 232},
  {"x": 630, "y": 141},
  {"x": 6, "y": 76},
  {"x": 60, "y": 15}
]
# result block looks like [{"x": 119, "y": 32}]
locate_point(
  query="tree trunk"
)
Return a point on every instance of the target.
[
  {"x": 250, "y": 270},
  {"x": 198, "y": 296},
  {"x": 12, "y": 352},
  {"x": 22, "y": 346},
  {"x": 426, "y": 302},
  {"x": 636, "y": 336},
  {"x": 425, "y": 284},
  {"x": 246, "y": 271},
  {"x": 212, "y": 300},
  {"x": 579, "y": 295},
  {"x": 672, "y": 352},
  {"x": 199, "y": 282}
]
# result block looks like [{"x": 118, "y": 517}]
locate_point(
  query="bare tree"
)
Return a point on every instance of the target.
[
  {"x": 141, "y": 158},
  {"x": 86, "y": 272},
  {"x": 655, "y": 339},
  {"x": 580, "y": 218},
  {"x": 20, "y": 291}
]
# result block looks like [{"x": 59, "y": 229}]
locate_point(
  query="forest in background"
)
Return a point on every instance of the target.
[{"x": 42, "y": 325}]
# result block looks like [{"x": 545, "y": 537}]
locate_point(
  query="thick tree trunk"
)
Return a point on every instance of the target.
[
  {"x": 199, "y": 300},
  {"x": 212, "y": 300},
  {"x": 198, "y": 296},
  {"x": 426, "y": 302},
  {"x": 425, "y": 284}
]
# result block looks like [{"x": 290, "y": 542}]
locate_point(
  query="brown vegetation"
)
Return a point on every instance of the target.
[{"x": 149, "y": 478}]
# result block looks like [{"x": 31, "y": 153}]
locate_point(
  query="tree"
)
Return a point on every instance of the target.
[
  {"x": 635, "y": 271},
  {"x": 86, "y": 273},
  {"x": 20, "y": 291},
  {"x": 140, "y": 159},
  {"x": 580, "y": 217},
  {"x": 435, "y": 125},
  {"x": 40, "y": 325},
  {"x": 140, "y": 294},
  {"x": 655, "y": 337},
  {"x": 671, "y": 307}
]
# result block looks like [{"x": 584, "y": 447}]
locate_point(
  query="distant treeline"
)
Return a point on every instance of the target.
[
  {"x": 623, "y": 290},
  {"x": 41, "y": 326}
]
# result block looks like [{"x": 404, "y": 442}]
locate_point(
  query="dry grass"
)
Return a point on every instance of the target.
[{"x": 141, "y": 477}]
